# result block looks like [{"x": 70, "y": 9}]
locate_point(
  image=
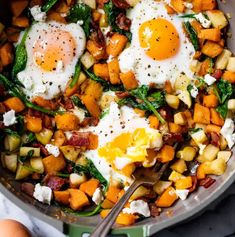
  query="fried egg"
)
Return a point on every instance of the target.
[
  {"x": 159, "y": 49},
  {"x": 124, "y": 138},
  {"x": 53, "y": 49}
]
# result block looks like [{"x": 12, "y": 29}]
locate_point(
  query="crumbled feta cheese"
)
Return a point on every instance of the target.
[
  {"x": 139, "y": 207},
  {"x": 194, "y": 91},
  {"x": 60, "y": 66},
  {"x": 182, "y": 194},
  {"x": 227, "y": 132},
  {"x": 53, "y": 150},
  {"x": 80, "y": 22},
  {"x": 121, "y": 162},
  {"x": 37, "y": 13},
  {"x": 42, "y": 193},
  {"x": 202, "y": 19},
  {"x": 97, "y": 197},
  {"x": 209, "y": 79},
  {"x": 188, "y": 5},
  {"x": 9, "y": 118}
]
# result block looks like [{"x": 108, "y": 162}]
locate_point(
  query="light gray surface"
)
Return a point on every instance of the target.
[{"x": 217, "y": 221}]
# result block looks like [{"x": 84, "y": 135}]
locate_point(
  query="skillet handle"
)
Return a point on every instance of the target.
[{"x": 81, "y": 231}]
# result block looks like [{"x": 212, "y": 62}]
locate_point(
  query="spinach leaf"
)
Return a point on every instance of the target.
[
  {"x": 81, "y": 12},
  {"x": 14, "y": 90},
  {"x": 29, "y": 138},
  {"x": 131, "y": 101},
  {"x": 223, "y": 109},
  {"x": 29, "y": 155},
  {"x": 112, "y": 12},
  {"x": 48, "y": 5},
  {"x": 10, "y": 132},
  {"x": 76, "y": 74},
  {"x": 192, "y": 35},
  {"x": 104, "y": 113},
  {"x": 20, "y": 58},
  {"x": 187, "y": 16},
  {"x": 107, "y": 86},
  {"x": 225, "y": 90},
  {"x": 90, "y": 169},
  {"x": 194, "y": 130},
  {"x": 142, "y": 93},
  {"x": 158, "y": 99},
  {"x": 77, "y": 102}
]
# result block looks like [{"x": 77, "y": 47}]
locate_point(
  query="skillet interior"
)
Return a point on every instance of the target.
[{"x": 181, "y": 211}]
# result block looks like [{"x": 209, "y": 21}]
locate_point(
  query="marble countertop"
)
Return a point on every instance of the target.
[{"x": 217, "y": 221}]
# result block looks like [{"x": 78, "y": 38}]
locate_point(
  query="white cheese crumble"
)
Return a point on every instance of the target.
[
  {"x": 139, "y": 207},
  {"x": 227, "y": 132},
  {"x": 202, "y": 19},
  {"x": 97, "y": 197},
  {"x": 182, "y": 193},
  {"x": 194, "y": 91},
  {"x": 80, "y": 22},
  {"x": 53, "y": 150},
  {"x": 209, "y": 79},
  {"x": 188, "y": 5},
  {"x": 9, "y": 118},
  {"x": 60, "y": 66},
  {"x": 37, "y": 13},
  {"x": 42, "y": 193}
]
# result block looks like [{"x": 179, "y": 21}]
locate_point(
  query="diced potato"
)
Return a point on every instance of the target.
[
  {"x": 70, "y": 152},
  {"x": 179, "y": 166},
  {"x": 163, "y": 128},
  {"x": 185, "y": 97},
  {"x": 217, "y": 18},
  {"x": 106, "y": 100},
  {"x": 139, "y": 192},
  {"x": 103, "y": 20},
  {"x": 222, "y": 60},
  {"x": 181, "y": 82},
  {"x": 173, "y": 101},
  {"x": 87, "y": 60},
  {"x": 11, "y": 142},
  {"x": 199, "y": 136},
  {"x": 132, "y": 3},
  {"x": 231, "y": 104},
  {"x": 180, "y": 118},
  {"x": 36, "y": 163},
  {"x": 11, "y": 162},
  {"x": 90, "y": 3},
  {"x": 200, "y": 125},
  {"x": 223, "y": 143},
  {"x": 195, "y": 66},
  {"x": 44, "y": 136},
  {"x": 76, "y": 179},
  {"x": 187, "y": 154},
  {"x": 24, "y": 151},
  {"x": 175, "y": 176},
  {"x": 225, "y": 155},
  {"x": 161, "y": 186},
  {"x": 231, "y": 64},
  {"x": 216, "y": 167},
  {"x": 209, "y": 153},
  {"x": 22, "y": 171}
]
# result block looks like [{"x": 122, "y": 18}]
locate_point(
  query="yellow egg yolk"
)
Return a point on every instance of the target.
[
  {"x": 133, "y": 146},
  {"x": 159, "y": 38},
  {"x": 52, "y": 47}
]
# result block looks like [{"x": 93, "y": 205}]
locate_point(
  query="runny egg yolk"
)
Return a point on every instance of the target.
[
  {"x": 53, "y": 47},
  {"x": 159, "y": 38}
]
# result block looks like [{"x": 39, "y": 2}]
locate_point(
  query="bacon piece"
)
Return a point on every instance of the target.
[
  {"x": 172, "y": 138},
  {"x": 123, "y": 22},
  {"x": 207, "y": 182},
  {"x": 121, "y": 94},
  {"x": 121, "y": 4},
  {"x": 68, "y": 104},
  {"x": 194, "y": 186},
  {"x": 154, "y": 210},
  {"x": 217, "y": 74},
  {"x": 54, "y": 182},
  {"x": 97, "y": 35},
  {"x": 89, "y": 121},
  {"x": 215, "y": 139},
  {"x": 27, "y": 188},
  {"x": 101, "y": 3},
  {"x": 166, "y": 113}
]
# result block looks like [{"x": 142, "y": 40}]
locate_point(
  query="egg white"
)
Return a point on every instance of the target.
[
  {"x": 145, "y": 68},
  {"x": 47, "y": 84}
]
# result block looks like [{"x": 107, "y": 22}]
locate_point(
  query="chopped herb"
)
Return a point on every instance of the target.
[
  {"x": 192, "y": 34},
  {"x": 48, "y": 5},
  {"x": 29, "y": 138},
  {"x": 223, "y": 109},
  {"x": 112, "y": 12},
  {"x": 194, "y": 130},
  {"x": 187, "y": 16},
  {"x": 104, "y": 113},
  {"x": 81, "y": 12},
  {"x": 76, "y": 74},
  {"x": 225, "y": 90}
]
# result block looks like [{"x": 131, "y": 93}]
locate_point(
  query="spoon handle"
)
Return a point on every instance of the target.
[{"x": 106, "y": 224}]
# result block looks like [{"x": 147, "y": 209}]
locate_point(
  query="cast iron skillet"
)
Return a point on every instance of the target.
[{"x": 75, "y": 226}]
